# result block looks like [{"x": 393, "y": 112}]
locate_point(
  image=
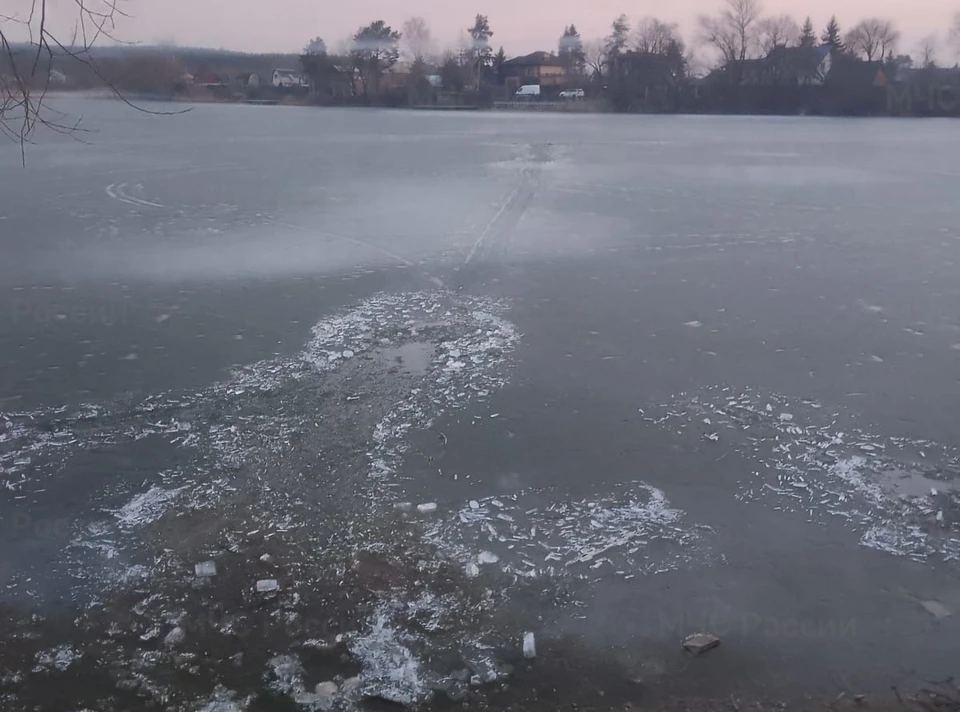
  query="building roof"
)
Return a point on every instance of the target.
[
  {"x": 534, "y": 59},
  {"x": 927, "y": 75},
  {"x": 799, "y": 60},
  {"x": 207, "y": 79},
  {"x": 634, "y": 62},
  {"x": 855, "y": 71},
  {"x": 782, "y": 64}
]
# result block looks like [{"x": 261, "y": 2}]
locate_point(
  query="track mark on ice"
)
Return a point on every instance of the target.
[
  {"x": 119, "y": 192},
  {"x": 488, "y": 229}
]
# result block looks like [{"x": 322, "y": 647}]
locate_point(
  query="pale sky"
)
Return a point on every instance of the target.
[{"x": 519, "y": 25}]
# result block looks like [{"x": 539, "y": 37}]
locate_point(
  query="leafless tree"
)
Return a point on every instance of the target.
[
  {"x": 733, "y": 32},
  {"x": 927, "y": 51},
  {"x": 889, "y": 37},
  {"x": 778, "y": 31},
  {"x": 595, "y": 56},
  {"x": 873, "y": 39},
  {"x": 417, "y": 40},
  {"x": 654, "y": 36}
]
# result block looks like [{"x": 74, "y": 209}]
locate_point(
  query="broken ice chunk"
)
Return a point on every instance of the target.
[
  {"x": 487, "y": 557},
  {"x": 267, "y": 586},
  {"x": 427, "y": 508},
  {"x": 472, "y": 570},
  {"x": 175, "y": 637},
  {"x": 151, "y": 634},
  {"x": 700, "y": 642},
  {"x": 206, "y": 569},
  {"x": 529, "y": 646},
  {"x": 325, "y": 694}
]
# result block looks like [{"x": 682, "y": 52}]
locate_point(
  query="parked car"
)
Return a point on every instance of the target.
[
  {"x": 572, "y": 94},
  {"x": 528, "y": 90}
]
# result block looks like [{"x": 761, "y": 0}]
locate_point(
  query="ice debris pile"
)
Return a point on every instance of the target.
[
  {"x": 901, "y": 495},
  {"x": 632, "y": 531},
  {"x": 257, "y": 413}
]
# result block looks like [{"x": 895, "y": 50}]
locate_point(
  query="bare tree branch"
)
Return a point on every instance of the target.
[
  {"x": 595, "y": 57},
  {"x": 927, "y": 50},
  {"x": 733, "y": 33},
  {"x": 654, "y": 36},
  {"x": 778, "y": 31},
  {"x": 873, "y": 39},
  {"x": 417, "y": 44},
  {"x": 26, "y": 67}
]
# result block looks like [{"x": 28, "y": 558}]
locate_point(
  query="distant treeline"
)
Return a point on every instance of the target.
[{"x": 767, "y": 65}]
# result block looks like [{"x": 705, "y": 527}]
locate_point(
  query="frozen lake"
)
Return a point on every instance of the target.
[{"x": 696, "y": 372}]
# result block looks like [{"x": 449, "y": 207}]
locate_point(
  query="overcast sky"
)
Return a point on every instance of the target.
[{"x": 519, "y": 25}]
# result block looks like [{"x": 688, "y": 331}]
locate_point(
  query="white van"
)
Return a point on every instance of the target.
[{"x": 528, "y": 90}]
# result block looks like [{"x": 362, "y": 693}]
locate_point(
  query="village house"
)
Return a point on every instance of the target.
[
  {"x": 541, "y": 68},
  {"x": 937, "y": 76},
  {"x": 926, "y": 91},
  {"x": 855, "y": 73},
  {"x": 208, "y": 80},
  {"x": 289, "y": 79},
  {"x": 784, "y": 66}
]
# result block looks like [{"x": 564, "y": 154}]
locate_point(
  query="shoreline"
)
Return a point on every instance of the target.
[{"x": 514, "y": 107}]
